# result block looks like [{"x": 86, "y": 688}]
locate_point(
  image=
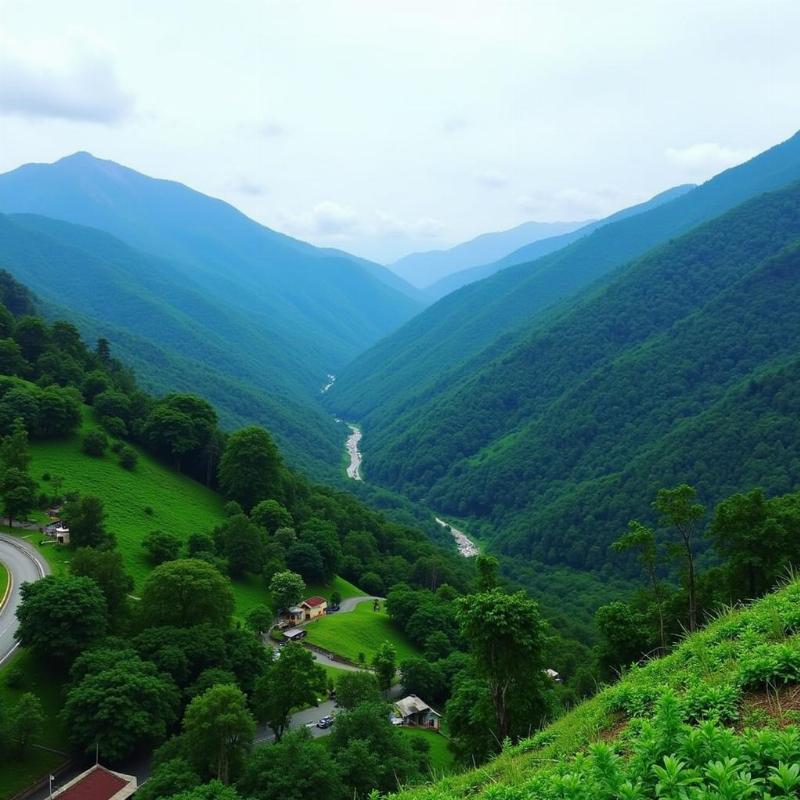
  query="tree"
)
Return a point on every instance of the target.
[
  {"x": 95, "y": 443},
  {"x": 11, "y": 360},
  {"x": 219, "y": 730},
  {"x": 107, "y": 570},
  {"x": 384, "y": 662},
  {"x": 355, "y": 688},
  {"x": 419, "y": 676},
  {"x": 292, "y": 680},
  {"x": 127, "y": 458},
  {"x": 241, "y": 543},
  {"x": 26, "y": 722},
  {"x": 161, "y": 546},
  {"x": 259, "y": 619},
  {"x": 625, "y": 638},
  {"x": 246, "y": 656},
  {"x": 215, "y": 790},
  {"x": 471, "y": 721},
  {"x": 642, "y": 540},
  {"x": 336, "y": 598},
  {"x": 30, "y": 333},
  {"x": 286, "y": 588},
  {"x": 506, "y": 635},
  {"x": 59, "y": 412},
  {"x": 295, "y": 768},
  {"x": 370, "y": 752},
  {"x": 271, "y": 515},
  {"x": 748, "y": 533},
  {"x": 305, "y": 559},
  {"x": 186, "y": 592},
  {"x": 678, "y": 509},
  {"x": 14, "y": 450},
  {"x": 250, "y": 468},
  {"x": 119, "y": 708},
  {"x": 60, "y": 616},
  {"x": 487, "y": 572},
  {"x": 168, "y": 779},
  {"x": 179, "y": 424},
  {"x": 85, "y": 518},
  {"x": 18, "y": 491}
]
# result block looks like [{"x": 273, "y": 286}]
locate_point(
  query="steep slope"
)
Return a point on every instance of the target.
[
  {"x": 677, "y": 335},
  {"x": 424, "y": 269},
  {"x": 718, "y": 714},
  {"x": 543, "y": 247},
  {"x": 422, "y": 359},
  {"x": 325, "y": 301},
  {"x": 173, "y": 333}
]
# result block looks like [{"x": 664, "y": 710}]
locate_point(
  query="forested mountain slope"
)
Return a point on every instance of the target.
[
  {"x": 676, "y": 346},
  {"x": 324, "y": 300},
  {"x": 424, "y": 269},
  {"x": 173, "y": 333},
  {"x": 424, "y": 357},
  {"x": 543, "y": 247}
]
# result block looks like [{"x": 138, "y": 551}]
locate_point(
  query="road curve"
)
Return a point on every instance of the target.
[{"x": 25, "y": 565}]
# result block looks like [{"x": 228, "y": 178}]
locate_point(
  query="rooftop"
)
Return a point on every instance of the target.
[
  {"x": 413, "y": 705},
  {"x": 98, "y": 783},
  {"x": 314, "y": 601}
]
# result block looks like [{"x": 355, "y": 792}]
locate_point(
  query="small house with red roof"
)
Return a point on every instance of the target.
[
  {"x": 307, "y": 611},
  {"x": 98, "y": 783}
]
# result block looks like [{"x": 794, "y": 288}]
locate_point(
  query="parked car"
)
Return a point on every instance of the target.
[{"x": 325, "y": 722}]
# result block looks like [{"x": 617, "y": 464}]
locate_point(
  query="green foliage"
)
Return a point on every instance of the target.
[
  {"x": 354, "y": 688},
  {"x": 292, "y": 681},
  {"x": 86, "y": 519},
  {"x": 107, "y": 570},
  {"x": 286, "y": 589},
  {"x": 95, "y": 443},
  {"x": 161, "y": 546},
  {"x": 384, "y": 662},
  {"x": 25, "y": 722},
  {"x": 59, "y": 617},
  {"x": 219, "y": 730},
  {"x": 250, "y": 469},
  {"x": 186, "y": 592}
]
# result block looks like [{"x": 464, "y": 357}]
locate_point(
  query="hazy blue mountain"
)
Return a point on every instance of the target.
[
  {"x": 424, "y": 269},
  {"x": 543, "y": 247},
  {"x": 324, "y": 299},
  {"x": 173, "y": 333}
]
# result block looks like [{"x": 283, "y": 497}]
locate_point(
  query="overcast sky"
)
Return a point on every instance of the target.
[{"x": 383, "y": 127}]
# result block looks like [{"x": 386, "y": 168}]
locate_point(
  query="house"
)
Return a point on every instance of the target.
[
  {"x": 413, "y": 711},
  {"x": 314, "y": 608},
  {"x": 553, "y": 675},
  {"x": 98, "y": 783},
  {"x": 295, "y": 634},
  {"x": 58, "y": 530}
]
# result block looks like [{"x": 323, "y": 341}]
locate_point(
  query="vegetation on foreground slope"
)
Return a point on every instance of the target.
[{"x": 717, "y": 718}]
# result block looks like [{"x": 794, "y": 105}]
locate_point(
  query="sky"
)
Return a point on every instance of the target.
[{"x": 384, "y": 127}]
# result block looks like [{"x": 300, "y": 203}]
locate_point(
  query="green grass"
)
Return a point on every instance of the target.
[
  {"x": 4, "y": 578},
  {"x": 345, "y": 589},
  {"x": 360, "y": 631},
  {"x": 47, "y": 685},
  {"x": 441, "y": 758}
]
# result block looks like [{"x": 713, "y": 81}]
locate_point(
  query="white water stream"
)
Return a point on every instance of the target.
[{"x": 465, "y": 545}]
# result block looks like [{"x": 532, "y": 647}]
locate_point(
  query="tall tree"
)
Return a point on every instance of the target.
[
  {"x": 678, "y": 509},
  {"x": 25, "y": 722},
  {"x": 250, "y": 468},
  {"x": 14, "y": 450},
  {"x": 219, "y": 730},
  {"x": 355, "y": 688},
  {"x": 86, "y": 518},
  {"x": 384, "y": 662},
  {"x": 107, "y": 570},
  {"x": 286, "y": 588},
  {"x": 18, "y": 491},
  {"x": 506, "y": 635},
  {"x": 292, "y": 680},
  {"x": 60, "y": 616},
  {"x": 187, "y": 592},
  {"x": 642, "y": 540}
]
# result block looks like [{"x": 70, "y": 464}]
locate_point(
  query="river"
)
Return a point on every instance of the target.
[
  {"x": 465, "y": 545},
  {"x": 353, "y": 440}
]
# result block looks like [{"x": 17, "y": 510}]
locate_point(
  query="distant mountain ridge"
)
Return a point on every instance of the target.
[
  {"x": 425, "y": 268},
  {"x": 542, "y": 247}
]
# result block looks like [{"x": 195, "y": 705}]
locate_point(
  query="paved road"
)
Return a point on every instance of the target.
[{"x": 25, "y": 565}]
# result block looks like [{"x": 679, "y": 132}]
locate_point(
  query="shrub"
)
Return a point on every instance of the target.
[
  {"x": 127, "y": 458},
  {"x": 115, "y": 426},
  {"x": 770, "y": 664},
  {"x": 95, "y": 443},
  {"x": 161, "y": 546}
]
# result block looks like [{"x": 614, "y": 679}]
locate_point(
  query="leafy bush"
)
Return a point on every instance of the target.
[
  {"x": 770, "y": 664},
  {"x": 127, "y": 458},
  {"x": 95, "y": 443}
]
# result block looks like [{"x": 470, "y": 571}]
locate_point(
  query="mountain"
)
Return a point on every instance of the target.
[
  {"x": 543, "y": 247},
  {"x": 196, "y": 293},
  {"x": 390, "y": 384},
  {"x": 424, "y": 269},
  {"x": 679, "y": 368}
]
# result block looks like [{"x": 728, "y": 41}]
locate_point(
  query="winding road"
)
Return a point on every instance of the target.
[{"x": 24, "y": 565}]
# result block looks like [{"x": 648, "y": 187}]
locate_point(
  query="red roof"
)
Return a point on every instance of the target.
[
  {"x": 97, "y": 784},
  {"x": 315, "y": 601}
]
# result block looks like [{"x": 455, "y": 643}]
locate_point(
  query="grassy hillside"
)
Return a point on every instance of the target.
[
  {"x": 359, "y": 631},
  {"x": 731, "y": 691}
]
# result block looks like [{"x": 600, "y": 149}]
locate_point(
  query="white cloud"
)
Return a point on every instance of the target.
[
  {"x": 329, "y": 218},
  {"x": 423, "y": 228},
  {"x": 568, "y": 204},
  {"x": 72, "y": 79},
  {"x": 707, "y": 158},
  {"x": 252, "y": 188},
  {"x": 271, "y": 130},
  {"x": 491, "y": 179}
]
